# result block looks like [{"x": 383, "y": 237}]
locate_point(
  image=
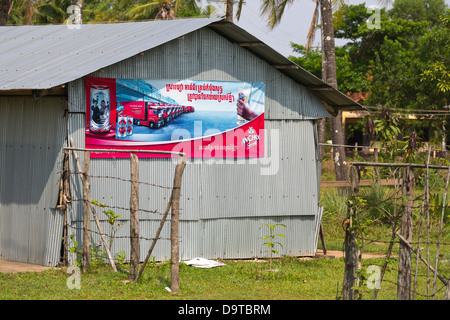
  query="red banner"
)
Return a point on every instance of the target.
[{"x": 198, "y": 118}]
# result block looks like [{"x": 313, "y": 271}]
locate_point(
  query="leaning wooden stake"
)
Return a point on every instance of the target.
[
  {"x": 86, "y": 214},
  {"x": 322, "y": 239},
  {"x": 174, "y": 231},
  {"x": 105, "y": 242},
  {"x": 134, "y": 218},
  {"x": 404, "y": 263}
]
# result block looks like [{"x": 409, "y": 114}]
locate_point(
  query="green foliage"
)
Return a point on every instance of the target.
[
  {"x": 408, "y": 69},
  {"x": 271, "y": 243},
  {"x": 439, "y": 73},
  {"x": 402, "y": 64},
  {"x": 349, "y": 77},
  {"x": 379, "y": 204},
  {"x": 360, "y": 222},
  {"x": 52, "y": 12},
  {"x": 116, "y": 224},
  {"x": 95, "y": 11},
  {"x": 73, "y": 249},
  {"x": 271, "y": 240},
  {"x": 385, "y": 128},
  {"x": 135, "y": 10},
  {"x": 418, "y": 10},
  {"x": 98, "y": 252},
  {"x": 335, "y": 209},
  {"x": 436, "y": 206}
]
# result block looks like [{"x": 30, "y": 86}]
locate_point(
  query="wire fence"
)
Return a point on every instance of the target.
[
  {"x": 415, "y": 210},
  {"x": 113, "y": 222},
  {"x": 414, "y": 207}
]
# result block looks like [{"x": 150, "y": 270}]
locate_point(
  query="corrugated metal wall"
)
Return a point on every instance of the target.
[
  {"x": 32, "y": 135},
  {"x": 223, "y": 205}
]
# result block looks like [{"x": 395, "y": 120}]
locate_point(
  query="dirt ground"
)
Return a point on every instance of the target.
[
  {"x": 15, "y": 267},
  {"x": 340, "y": 254}
]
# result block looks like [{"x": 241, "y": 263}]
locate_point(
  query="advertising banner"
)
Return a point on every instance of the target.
[{"x": 196, "y": 117}]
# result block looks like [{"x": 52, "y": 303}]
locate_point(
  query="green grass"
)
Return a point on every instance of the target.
[
  {"x": 296, "y": 279},
  {"x": 242, "y": 280}
]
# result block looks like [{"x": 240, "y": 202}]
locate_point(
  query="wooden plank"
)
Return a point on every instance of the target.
[{"x": 362, "y": 183}]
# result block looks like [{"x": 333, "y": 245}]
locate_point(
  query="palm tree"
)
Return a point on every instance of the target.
[
  {"x": 274, "y": 11},
  {"x": 164, "y": 9},
  {"x": 53, "y": 12},
  {"x": 229, "y": 10},
  {"x": 6, "y": 7},
  {"x": 18, "y": 12},
  {"x": 329, "y": 77}
]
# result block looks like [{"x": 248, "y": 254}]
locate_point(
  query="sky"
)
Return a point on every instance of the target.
[{"x": 293, "y": 27}]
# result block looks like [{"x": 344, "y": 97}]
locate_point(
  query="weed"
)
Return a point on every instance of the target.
[{"x": 271, "y": 240}]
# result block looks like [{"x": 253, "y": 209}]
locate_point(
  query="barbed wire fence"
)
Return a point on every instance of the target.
[
  {"x": 90, "y": 213},
  {"x": 406, "y": 208},
  {"x": 406, "y": 201}
]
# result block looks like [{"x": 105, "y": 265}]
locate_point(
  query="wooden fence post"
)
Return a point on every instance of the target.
[
  {"x": 350, "y": 247},
  {"x": 86, "y": 213},
  {"x": 134, "y": 217},
  {"x": 376, "y": 169},
  {"x": 404, "y": 264},
  {"x": 174, "y": 231},
  {"x": 66, "y": 199}
]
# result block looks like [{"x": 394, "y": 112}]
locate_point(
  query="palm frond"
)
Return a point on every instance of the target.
[
  {"x": 239, "y": 9},
  {"x": 274, "y": 10},
  {"x": 339, "y": 8},
  {"x": 142, "y": 11},
  {"x": 312, "y": 28}
]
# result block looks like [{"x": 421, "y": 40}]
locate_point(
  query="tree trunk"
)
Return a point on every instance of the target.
[
  {"x": 5, "y": 10},
  {"x": 329, "y": 77},
  {"x": 229, "y": 10},
  {"x": 77, "y": 13}
]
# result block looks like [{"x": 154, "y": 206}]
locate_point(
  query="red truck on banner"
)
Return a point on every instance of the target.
[
  {"x": 150, "y": 114},
  {"x": 143, "y": 113}
]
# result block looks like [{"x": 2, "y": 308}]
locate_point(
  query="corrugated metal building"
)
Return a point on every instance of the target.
[{"x": 223, "y": 205}]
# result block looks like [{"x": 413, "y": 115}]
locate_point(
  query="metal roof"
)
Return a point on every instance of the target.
[{"x": 47, "y": 56}]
